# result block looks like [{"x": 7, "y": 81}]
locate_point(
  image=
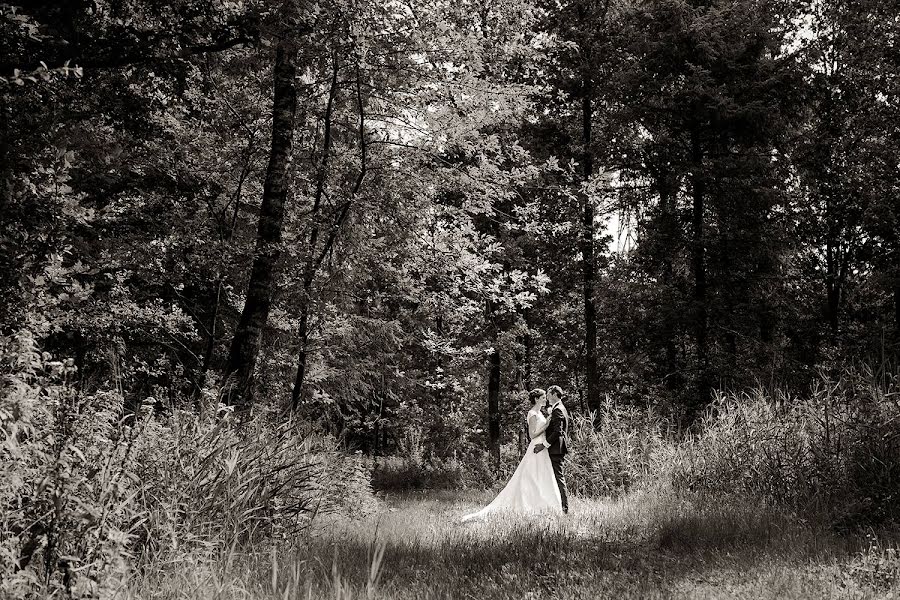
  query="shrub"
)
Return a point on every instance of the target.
[
  {"x": 61, "y": 499},
  {"x": 88, "y": 492},
  {"x": 623, "y": 451},
  {"x": 412, "y": 469},
  {"x": 877, "y": 566},
  {"x": 835, "y": 453},
  {"x": 396, "y": 474}
]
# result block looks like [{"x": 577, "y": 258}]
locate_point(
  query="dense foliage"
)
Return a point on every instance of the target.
[
  {"x": 430, "y": 258},
  {"x": 383, "y": 222}
]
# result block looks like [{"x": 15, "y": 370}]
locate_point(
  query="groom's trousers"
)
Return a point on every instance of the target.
[{"x": 558, "y": 460}]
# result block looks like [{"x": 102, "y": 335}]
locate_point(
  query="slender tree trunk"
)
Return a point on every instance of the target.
[
  {"x": 309, "y": 267},
  {"x": 316, "y": 255},
  {"x": 589, "y": 267},
  {"x": 529, "y": 343},
  {"x": 494, "y": 395},
  {"x": 666, "y": 188},
  {"x": 303, "y": 335},
  {"x": 698, "y": 258},
  {"x": 10, "y": 265},
  {"x": 897, "y": 314},
  {"x": 210, "y": 340},
  {"x": 6, "y": 166},
  {"x": 730, "y": 306},
  {"x": 226, "y": 233},
  {"x": 832, "y": 287},
  {"x": 440, "y": 395},
  {"x": 245, "y": 345},
  {"x": 521, "y": 433},
  {"x": 376, "y": 446}
]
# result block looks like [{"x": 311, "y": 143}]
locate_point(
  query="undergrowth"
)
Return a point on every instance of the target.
[
  {"x": 88, "y": 492},
  {"x": 92, "y": 496}
]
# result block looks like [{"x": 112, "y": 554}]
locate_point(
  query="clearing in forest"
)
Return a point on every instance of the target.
[{"x": 642, "y": 546}]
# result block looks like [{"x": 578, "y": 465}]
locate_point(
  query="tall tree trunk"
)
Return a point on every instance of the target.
[
  {"x": 315, "y": 255},
  {"x": 897, "y": 314},
  {"x": 730, "y": 304},
  {"x": 529, "y": 343},
  {"x": 10, "y": 264},
  {"x": 521, "y": 433},
  {"x": 832, "y": 286},
  {"x": 245, "y": 345},
  {"x": 666, "y": 187},
  {"x": 494, "y": 393},
  {"x": 440, "y": 394},
  {"x": 209, "y": 350},
  {"x": 592, "y": 390},
  {"x": 302, "y": 354},
  {"x": 309, "y": 267},
  {"x": 698, "y": 258},
  {"x": 226, "y": 233}
]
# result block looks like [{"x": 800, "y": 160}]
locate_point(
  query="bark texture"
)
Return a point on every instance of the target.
[{"x": 245, "y": 346}]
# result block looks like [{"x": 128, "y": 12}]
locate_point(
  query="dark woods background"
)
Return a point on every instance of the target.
[{"x": 392, "y": 219}]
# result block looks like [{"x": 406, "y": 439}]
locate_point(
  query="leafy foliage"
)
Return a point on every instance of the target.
[
  {"x": 835, "y": 453},
  {"x": 88, "y": 492},
  {"x": 473, "y": 194}
]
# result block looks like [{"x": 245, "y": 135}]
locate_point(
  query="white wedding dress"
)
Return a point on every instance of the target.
[{"x": 532, "y": 488}]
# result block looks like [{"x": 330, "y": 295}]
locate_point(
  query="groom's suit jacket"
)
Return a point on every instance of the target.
[{"x": 558, "y": 431}]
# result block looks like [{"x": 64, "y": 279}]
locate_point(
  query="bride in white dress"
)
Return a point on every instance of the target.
[{"x": 532, "y": 488}]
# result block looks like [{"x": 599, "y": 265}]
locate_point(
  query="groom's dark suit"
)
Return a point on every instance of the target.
[{"x": 557, "y": 436}]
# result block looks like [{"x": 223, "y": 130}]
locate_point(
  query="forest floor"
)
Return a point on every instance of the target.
[{"x": 642, "y": 546}]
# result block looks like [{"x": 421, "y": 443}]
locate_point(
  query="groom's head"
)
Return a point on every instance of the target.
[{"x": 554, "y": 394}]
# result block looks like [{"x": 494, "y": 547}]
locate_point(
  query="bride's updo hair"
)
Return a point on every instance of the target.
[{"x": 534, "y": 394}]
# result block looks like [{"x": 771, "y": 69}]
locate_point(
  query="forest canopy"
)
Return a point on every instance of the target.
[
  {"x": 395, "y": 217},
  {"x": 279, "y": 277}
]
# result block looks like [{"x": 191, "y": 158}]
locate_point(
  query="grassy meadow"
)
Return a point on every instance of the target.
[
  {"x": 644, "y": 545},
  {"x": 770, "y": 497}
]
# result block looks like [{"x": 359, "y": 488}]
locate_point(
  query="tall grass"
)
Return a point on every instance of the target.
[
  {"x": 179, "y": 503},
  {"x": 615, "y": 450},
  {"x": 89, "y": 493},
  {"x": 834, "y": 453},
  {"x": 831, "y": 454},
  {"x": 641, "y": 545}
]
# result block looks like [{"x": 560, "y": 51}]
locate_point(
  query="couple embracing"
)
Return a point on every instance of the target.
[{"x": 539, "y": 483}]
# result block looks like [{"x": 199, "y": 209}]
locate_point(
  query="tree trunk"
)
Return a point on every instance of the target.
[
  {"x": 494, "y": 402},
  {"x": 730, "y": 303},
  {"x": 897, "y": 314},
  {"x": 310, "y": 267},
  {"x": 587, "y": 248},
  {"x": 493, "y": 388},
  {"x": 303, "y": 335},
  {"x": 521, "y": 433},
  {"x": 528, "y": 342},
  {"x": 245, "y": 345},
  {"x": 667, "y": 189},
  {"x": 316, "y": 255},
  {"x": 209, "y": 350},
  {"x": 832, "y": 286},
  {"x": 226, "y": 233},
  {"x": 698, "y": 258}
]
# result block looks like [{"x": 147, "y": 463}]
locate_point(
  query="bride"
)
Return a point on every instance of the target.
[{"x": 532, "y": 487}]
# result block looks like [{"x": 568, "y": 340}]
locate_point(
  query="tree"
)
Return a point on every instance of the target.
[
  {"x": 245, "y": 344},
  {"x": 583, "y": 30},
  {"x": 713, "y": 93},
  {"x": 844, "y": 153}
]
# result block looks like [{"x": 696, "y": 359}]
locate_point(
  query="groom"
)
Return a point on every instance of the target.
[{"x": 557, "y": 436}]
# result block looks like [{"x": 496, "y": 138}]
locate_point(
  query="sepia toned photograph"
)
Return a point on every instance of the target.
[{"x": 450, "y": 299}]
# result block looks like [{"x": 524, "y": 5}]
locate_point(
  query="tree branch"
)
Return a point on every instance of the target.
[{"x": 357, "y": 185}]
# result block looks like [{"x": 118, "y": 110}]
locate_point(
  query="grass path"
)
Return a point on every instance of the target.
[{"x": 644, "y": 546}]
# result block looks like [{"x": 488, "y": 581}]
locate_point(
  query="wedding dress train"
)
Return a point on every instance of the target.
[{"x": 532, "y": 488}]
